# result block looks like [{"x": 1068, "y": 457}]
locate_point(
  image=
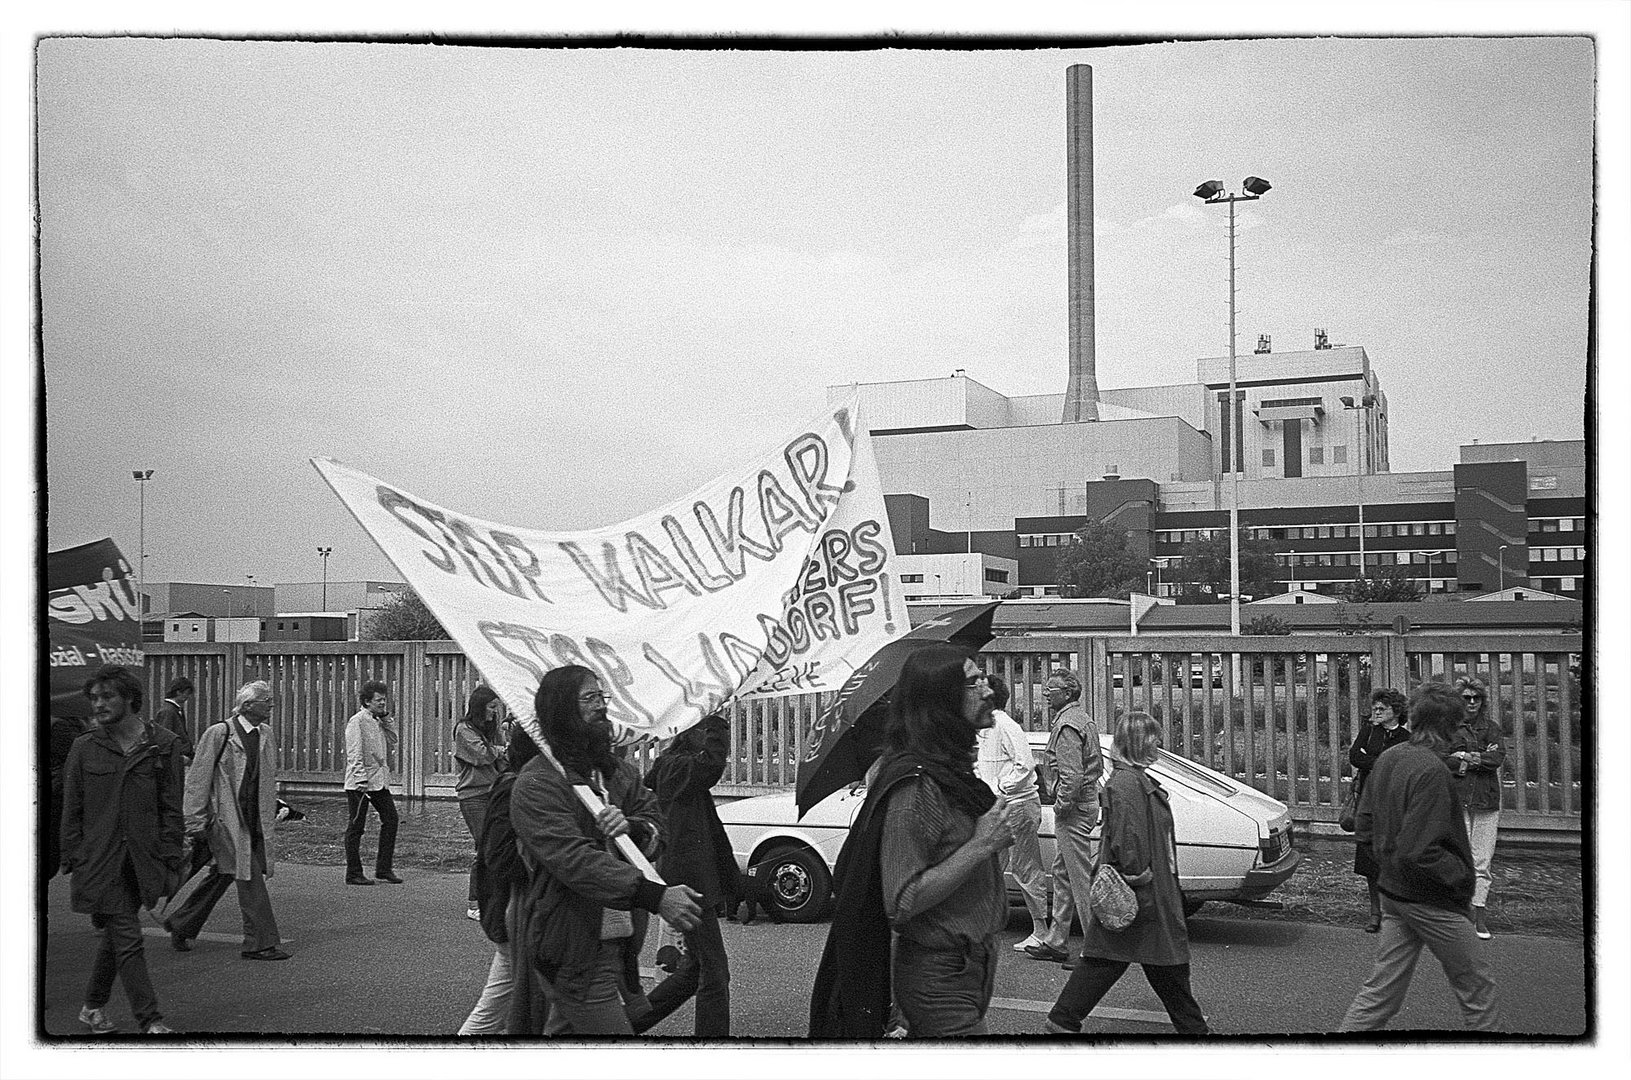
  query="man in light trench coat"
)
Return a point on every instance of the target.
[{"x": 231, "y": 799}]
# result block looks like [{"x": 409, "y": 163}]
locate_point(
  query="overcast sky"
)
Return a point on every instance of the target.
[{"x": 556, "y": 288}]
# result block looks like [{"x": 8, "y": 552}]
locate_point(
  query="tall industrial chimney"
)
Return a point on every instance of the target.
[{"x": 1082, "y": 393}]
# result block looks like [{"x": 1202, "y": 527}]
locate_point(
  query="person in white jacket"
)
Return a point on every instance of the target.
[
  {"x": 369, "y": 735},
  {"x": 1008, "y": 769}
]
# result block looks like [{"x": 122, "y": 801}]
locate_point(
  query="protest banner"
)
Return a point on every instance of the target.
[
  {"x": 93, "y": 617},
  {"x": 773, "y": 580}
]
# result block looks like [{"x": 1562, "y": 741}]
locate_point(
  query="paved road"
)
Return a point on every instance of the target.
[{"x": 404, "y": 960}]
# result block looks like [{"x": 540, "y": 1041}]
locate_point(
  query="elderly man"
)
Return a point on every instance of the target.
[
  {"x": 232, "y": 802},
  {"x": 121, "y": 839},
  {"x": 1072, "y": 764},
  {"x": 1411, "y": 819}
]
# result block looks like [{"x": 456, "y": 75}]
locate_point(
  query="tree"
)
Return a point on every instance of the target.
[
  {"x": 1267, "y": 626},
  {"x": 1203, "y": 569},
  {"x": 1095, "y": 562},
  {"x": 404, "y": 617},
  {"x": 1389, "y": 584}
]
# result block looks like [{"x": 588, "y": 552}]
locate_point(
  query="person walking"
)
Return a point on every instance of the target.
[
  {"x": 921, "y": 861},
  {"x": 1138, "y": 841},
  {"x": 501, "y": 877},
  {"x": 698, "y": 854},
  {"x": 1384, "y": 729},
  {"x": 1072, "y": 763},
  {"x": 1412, "y": 820},
  {"x": 574, "y": 918},
  {"x": 231, "y": 803},
  {"x": 1003, "y": 760},
  {"x": 369, "y": 736},
  {"x": 478, "y": 755},
  {"x": 1477, "y": 752},
  {"x": 121, "y": 840},
  {"x": 172, "y": 714}
]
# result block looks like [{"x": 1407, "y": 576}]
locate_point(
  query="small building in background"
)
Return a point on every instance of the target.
[
  {"x": 179, "y": 626},
  {"x": 242, "y": 629},
  {"x": 970, "y": 574},
  {"x": 307, "y": 626},
  {"x": 358, "y": 601}
]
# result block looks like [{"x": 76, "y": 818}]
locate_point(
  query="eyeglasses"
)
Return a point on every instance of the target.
[
  {"x": 975, "y": 680},
  {"x": 593, "y": 697},
  {"x": 1471, "y": 699}
]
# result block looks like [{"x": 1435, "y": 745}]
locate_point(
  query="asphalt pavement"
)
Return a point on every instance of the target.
[{"x": 404, "y": 961}]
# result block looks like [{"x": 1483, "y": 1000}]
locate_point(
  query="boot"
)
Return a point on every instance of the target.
[{"x": 1479, "y": 925}]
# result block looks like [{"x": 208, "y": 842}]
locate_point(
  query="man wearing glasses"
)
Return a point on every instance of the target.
[
  {"x": 1071, "y": 766},
  {"x": 1477, "y": 752}
]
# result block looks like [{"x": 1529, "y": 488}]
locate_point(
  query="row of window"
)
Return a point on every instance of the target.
[
  {"x": 1316, "y": 456},
  {"x": 1557, "y": 524},
  {"x": 1557, "y": 554},
  {"x": 1044, "y": 539},
  {"x": 1556, "y": 584},
  {"x": 1384, "y": 530}
]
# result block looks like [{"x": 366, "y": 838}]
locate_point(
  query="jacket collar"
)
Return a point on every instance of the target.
[{"x": 105, "y": 737}]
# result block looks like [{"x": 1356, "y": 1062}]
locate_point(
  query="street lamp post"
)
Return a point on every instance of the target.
[
  {"x": 142, "y": 476},
  {"x": 1212, "y": 192},
  {"x": 325, "y": 552}
]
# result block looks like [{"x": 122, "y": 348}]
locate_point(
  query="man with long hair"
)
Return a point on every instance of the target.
[
  {"x": 1477, "y": 752},
  {"x": 121, "y": 839},
  {"x": 1410, "y": 817},
  {"x": 575, "y": 916},
  {"x": 921, "y": 860}
]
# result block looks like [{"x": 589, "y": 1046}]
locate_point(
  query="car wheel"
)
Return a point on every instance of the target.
[{"x": 798, "y": 884}]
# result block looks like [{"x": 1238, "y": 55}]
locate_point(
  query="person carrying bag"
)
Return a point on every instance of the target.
[{"x": 1137, "y": 846}]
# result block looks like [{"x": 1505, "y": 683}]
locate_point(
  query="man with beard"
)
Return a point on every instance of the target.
[
  {"x": 575, "y": 914},
  {"x": 121, "y": 839}
]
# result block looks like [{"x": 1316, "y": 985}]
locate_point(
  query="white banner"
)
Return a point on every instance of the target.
[{"x": 775, "y": 580}]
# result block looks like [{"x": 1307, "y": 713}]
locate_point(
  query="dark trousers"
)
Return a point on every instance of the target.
[
  {"x": 705, "y": 972},
  {"x": 260, "y": 924},
  {"x": 119, "y": 953},
  {"x": 943, "y": 993},
  {"x": 1094, "y": 977},
  {"x": 474, "y": 810},
  {"x": 357, "y": 802}
]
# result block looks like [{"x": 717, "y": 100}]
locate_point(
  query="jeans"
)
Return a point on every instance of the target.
[
  {"x": 1406, "y": 927},
  {"x": 357, "y": 802},
  {"x": 474, "y": 810},
  {"x": 705, "y": 972},
  {"x": 593, "y": 1006},
  {"x": 1094, "y": 976},
  {"x": 942, "y": 993},
  {"x": 1025, "y": 863},
  {"x": 1481, "y": 829},
  {"x": 491, "y": 1014},
  {"x": 260, "y": 924},
  {"x": 120, "y": 952},
  {"x": 1072, "y": 870}
]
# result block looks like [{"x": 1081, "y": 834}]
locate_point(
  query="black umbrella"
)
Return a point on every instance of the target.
[{"x": 848, "y": 735}]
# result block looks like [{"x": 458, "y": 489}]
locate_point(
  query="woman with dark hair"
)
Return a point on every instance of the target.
[
  {"x": 1477, "y": 753},
  {"x": 921, "y": 860},
  {"x": 1384, "y": 729},
  {"x": 477, "y": 756},
  {"x": 574, "y": 918},
  {"x": 1138, "y": 841}
]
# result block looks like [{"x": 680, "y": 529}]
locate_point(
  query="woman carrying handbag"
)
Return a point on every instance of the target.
[
  {"x": 1137, "y": 840},
  {"x": 1385, "y": 729}
]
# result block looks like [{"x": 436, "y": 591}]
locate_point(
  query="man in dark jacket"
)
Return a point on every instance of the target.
[
  {"x": 699, "y": 855},
  {"x": 1409, "y": 815},
  {"x": 121, "y": 839},
  {"x": 172, "y": 714}
]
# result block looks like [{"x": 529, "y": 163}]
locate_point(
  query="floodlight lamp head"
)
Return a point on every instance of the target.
[
  {"x": 1347, "y": 402},
  {"x": 1209, "y": 189},
  {"x": 1255, "y": 185}
]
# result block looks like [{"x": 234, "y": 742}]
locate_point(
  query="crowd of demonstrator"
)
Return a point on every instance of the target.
[{"x": 953, "y": 801}]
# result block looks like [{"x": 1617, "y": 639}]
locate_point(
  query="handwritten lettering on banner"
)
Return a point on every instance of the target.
[{"x": 773, "y": 580}]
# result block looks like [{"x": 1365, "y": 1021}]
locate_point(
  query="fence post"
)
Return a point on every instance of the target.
[
  {"x": 1095, "y": 663},
  {"x": 416, "y": 699},
  {"x": 1389, "y": 665}
]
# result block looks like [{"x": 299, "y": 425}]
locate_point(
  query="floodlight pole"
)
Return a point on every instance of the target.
[
  {"x": 324, "y": 553},
  {"x": 142, "y": 476}
]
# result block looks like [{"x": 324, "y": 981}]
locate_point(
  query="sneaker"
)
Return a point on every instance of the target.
[
  {"x": 896, "y": 1032},
  {"x": 96, "y": 1020},
  {"x": 157, "y": 1027},
  {"x": 271, "y": 952},
  {"x": 1027, "y": 943},
  {"x": 473, "y": 912},
  {"x": 1056, "y": 1028},
  {"x": 1479, "y": 926}
]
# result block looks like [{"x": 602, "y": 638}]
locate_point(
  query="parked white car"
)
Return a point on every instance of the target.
[{"x": 1234, "y": 842}]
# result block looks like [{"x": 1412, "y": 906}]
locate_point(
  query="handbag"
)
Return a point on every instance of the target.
[
  {"x": 1112, "y": 901},
  {"x": 1350, "y": 805}
]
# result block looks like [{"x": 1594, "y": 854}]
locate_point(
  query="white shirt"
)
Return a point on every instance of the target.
[{"x": 1004, "y": 761}]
